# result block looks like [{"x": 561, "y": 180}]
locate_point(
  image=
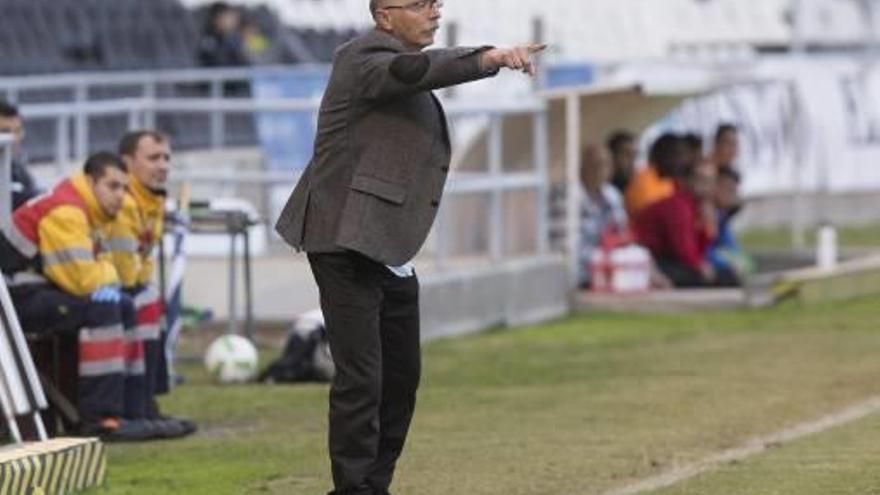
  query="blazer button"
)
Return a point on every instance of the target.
[
  {"x": 435, "y": 203},
  {"x": 445, "y": 169}
]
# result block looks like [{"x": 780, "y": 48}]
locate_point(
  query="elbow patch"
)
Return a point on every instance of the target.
[{"x": 410, "y": 68}]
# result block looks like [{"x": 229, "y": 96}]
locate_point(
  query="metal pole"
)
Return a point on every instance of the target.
[
  {"x": 451, "y": 40},
  {"x": 233, "y": 313},
  {"x": 11, "y": 422},
  {"x": 440, "y": 234},
  {"x": 217, "y": 122},
  {"x": 572, "y": 186},
  {"x": 248, "y": 286},
  {"x": 496, "y": 212},
  {"x": 869, "y": 13},
  {"x": 41, "y": 428},
  {"x": 62, "y": 143},
  {"x": 162, "y": 269},
  {"x": 538, "y": 39},
  {"x": 81, "y": 96},
  {"x": 133, "y": 120},
  {"x": 798, "y": 221},
  {"x": 149, "y": 118},
  {"x": 797, "y": 50},
  {"x": 542, "y": 160},
  {"x": 5, "y": 181}
]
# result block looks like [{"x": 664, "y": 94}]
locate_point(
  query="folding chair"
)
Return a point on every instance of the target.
[{"x": 21, "y": 393}]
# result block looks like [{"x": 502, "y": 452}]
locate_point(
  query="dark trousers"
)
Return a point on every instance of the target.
[
  {"x": 372, "y": 321},
  {"x": 110, "y": 360}
]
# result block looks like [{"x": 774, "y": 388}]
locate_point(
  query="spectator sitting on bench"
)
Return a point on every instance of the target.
[
  {"x": 675, "y": 232},
  {"x": 62, "y": 281},
  {"x": 656, "y": 181},
  {"x": 601, "y": 206},
  {"x": 134, "y": 240},
  {"x": 725, "y": 253},
  {"x": 726, "y": 150},
  {"x": 24, "y": 187},
  {"x": 221, "y": 44},
  {"x": 622, "y": 146}
]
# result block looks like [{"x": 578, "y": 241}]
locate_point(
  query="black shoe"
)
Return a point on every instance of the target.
[
  {"x": 360, "y": 490},
  {"x": 177, "y": 427},
  {"x": 120, "y": 430},
  {"x": 165, "y": 429}
]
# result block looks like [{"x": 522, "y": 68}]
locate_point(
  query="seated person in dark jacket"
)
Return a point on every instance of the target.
[
  {"x": 221, "y": 44},
  {"x": 624, "y": 152},
  {"x": 677, "y": 231},
  {"x": 24, "y": 187}
]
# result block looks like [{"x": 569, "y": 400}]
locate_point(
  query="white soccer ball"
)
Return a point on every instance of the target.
[{"x": 232, "y": 359}]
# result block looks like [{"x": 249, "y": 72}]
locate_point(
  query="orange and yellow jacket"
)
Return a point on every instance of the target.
[
  {"x": 62, "y": 234},
  {"x": 135, "y": 235}
]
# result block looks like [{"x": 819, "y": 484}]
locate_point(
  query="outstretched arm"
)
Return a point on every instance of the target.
[{"x": 387, "y": 73}]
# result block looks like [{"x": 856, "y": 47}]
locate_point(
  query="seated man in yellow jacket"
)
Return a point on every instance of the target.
[
  {"x": 134, "y": 240},
  {"x": 61, "y": 280}
]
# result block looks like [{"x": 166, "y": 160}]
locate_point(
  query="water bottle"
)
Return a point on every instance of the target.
[{"x": 826, "y": 248}]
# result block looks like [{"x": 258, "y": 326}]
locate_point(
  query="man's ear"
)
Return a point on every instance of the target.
[{"x": 383, "y": 20}]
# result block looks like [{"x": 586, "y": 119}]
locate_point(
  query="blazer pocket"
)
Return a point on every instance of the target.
[{"x": 388, "y": 191}]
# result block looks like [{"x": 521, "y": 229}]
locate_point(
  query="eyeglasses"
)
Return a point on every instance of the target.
[
  {"x": 15, "y": 131},
  {"x": 419, "y": 7}
]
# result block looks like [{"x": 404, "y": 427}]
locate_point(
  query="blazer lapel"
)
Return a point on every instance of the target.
[{"x": 443, "y": 122}]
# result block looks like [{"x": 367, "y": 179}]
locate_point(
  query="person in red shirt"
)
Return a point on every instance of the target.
[{"x": 677, "y": 234}]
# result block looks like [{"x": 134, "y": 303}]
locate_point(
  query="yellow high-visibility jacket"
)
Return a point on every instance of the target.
[
  {"x": 64, "y": 229},
  {"x": 135, "y": 235}
]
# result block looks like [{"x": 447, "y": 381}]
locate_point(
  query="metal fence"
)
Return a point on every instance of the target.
[
  {"x": 494, "y": 181},
  {"x": 80, "y": 97}
]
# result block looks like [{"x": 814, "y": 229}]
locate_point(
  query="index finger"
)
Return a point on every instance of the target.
[{"x": 534, "y": 48}]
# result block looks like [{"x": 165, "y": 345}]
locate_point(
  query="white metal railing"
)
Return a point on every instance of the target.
[
  {"x": 81, "y": 83},
  {"x": 82, "y": 106},
  {"x": 141, "y": 112}
]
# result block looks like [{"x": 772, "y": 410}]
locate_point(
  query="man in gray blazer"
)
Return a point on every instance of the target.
[{"x": 363, "y": 209}]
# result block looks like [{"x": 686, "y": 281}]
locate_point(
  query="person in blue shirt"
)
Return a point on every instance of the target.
[{"x": 725, "y": 253}]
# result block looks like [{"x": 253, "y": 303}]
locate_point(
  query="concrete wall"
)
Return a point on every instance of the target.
[
  {"x": 467, "y": 298},
  {"x": 851, "y": 210},
  {"x": 517, "y": 292}
]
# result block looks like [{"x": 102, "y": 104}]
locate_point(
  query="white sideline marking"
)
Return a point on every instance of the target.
[{"x": 752, "y": 447}]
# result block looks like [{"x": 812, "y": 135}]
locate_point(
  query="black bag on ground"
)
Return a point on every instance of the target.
[{"x": 306, "y": 356}]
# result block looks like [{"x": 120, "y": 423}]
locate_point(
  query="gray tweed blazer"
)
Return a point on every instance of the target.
[{"x": 381, "y": 153}]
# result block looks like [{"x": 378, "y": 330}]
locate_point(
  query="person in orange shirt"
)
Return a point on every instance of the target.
[{"x": 656, "y": 182}]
